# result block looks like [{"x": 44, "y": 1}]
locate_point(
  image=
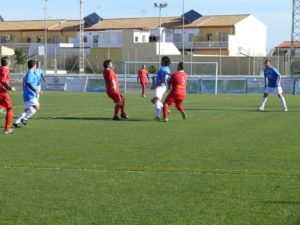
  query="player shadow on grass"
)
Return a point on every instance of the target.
[{"x": 90, "y": 118}]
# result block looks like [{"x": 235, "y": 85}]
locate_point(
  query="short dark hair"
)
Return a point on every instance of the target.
[
  {"x": 106, "y": 63},
  {"x": 165, "y": 61},
  {"x": 31, "y": 63},
  {"x": 4, "y": 61},
  {"x": 180, "y": 66},
  {"x": 267, "y": 61}
]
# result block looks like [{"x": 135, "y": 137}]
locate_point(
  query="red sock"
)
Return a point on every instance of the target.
[
  {"x": 117, "y": 107},
  {"x": 9, "y": 119},
  {"x": 165, "y": 111}
]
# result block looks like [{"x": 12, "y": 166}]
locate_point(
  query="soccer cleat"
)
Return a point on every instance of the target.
[
  {"x": 261, "y": 109},
  {"x": 16, "y": 125},
  {"x": 116, "y": 118},
  {"x": 184, "y": 116},
  {"x": 24, "y": 122},
  {"x": 10, "y": 131},
  {"x": 164, "y": 120},
  {"x": 124, "y": 116},
  {"x": 156, "y": 119},
  {"x": 286, "y": 109}
]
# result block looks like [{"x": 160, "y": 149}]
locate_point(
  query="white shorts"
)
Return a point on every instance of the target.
[
  {"x": 31, "y": 102},
  {"x": 275, "y": 90},
  {"x": 159, "y": 92}
]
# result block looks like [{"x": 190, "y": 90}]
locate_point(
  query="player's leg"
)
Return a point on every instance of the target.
[
  {"x": 122, "y": 107},
  {"x": 282, "y": 99},
  {"x": 6, "y": 104},
  {"x": 180, "y": 108},
  {"x": 38, "y": 89},
  {"x": 159, "y": 92},
  {"x": 263, "y": 101},
  {"x": 169, "y": 101},
  {"x": 20, "y": 118},
  {"x": 143, "y": 89},
  {"x": 33, "y": 108}
]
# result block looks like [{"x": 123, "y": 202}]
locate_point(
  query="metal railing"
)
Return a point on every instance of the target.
[{"x": 210, "y": 44}]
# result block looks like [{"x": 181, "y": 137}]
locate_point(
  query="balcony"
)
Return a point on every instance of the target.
[{"x": 210, "y": 45}]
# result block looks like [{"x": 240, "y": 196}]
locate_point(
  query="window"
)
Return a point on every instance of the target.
[
  {"x": 177, "y": 38},
  {"x": 191, "y": 37},
  {"x": 209, "y": 37},
  {"x": 136, "y": 39},
  {"x": 144, "y": 38},
  {"x": 56, "y": 39},
  {"x": 85, "y": 39},
  {"x": 95, "y": 39},
  {"x": 28, "y": 39},
  {"x": 39, "y": 39},
  {"x": 223, "y": 37}
]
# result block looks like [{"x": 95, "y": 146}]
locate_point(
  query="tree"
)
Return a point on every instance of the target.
[{"x": 21, "y": 58}]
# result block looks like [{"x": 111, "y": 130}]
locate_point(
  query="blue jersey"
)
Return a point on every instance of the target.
[
  {"x": 273, "y": 76},
  {"x": 30, "y": 78},
  {"x": 39, "y": 74},
  {"x": 163, "y": 73}
]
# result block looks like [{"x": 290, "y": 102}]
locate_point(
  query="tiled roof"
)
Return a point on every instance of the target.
[
  {"x": 287, "y": 44},
  {"x": 122, "y": 23}
]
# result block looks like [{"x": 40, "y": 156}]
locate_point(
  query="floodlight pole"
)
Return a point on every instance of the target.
[
  {"x": 160, "y": 6},
  {"x": 81, "y": 41},
  {"x": 46, "y": 37},
  {"x": 182, "y": 30}
]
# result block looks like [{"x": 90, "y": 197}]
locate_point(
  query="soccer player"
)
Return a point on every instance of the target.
[
  {"x": 162, "y": 78},
  {"x": 112, "y": 89},
  {"x": 177, "y": 86},
  {"x": 143, "y": 77},
  {"x": 272, "y": 80},
  {"x": 30, "y": 92},
  {"x": 5, "y": 102},
  {"x": 40, "y": 76}
]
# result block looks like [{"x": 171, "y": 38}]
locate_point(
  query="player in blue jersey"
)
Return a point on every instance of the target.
[
  {"x": 272, "y": 85},
  {"x": 30, "y": 92},
  {"x": 161, "y": 84},
  {"x": 40, "y": 76}
]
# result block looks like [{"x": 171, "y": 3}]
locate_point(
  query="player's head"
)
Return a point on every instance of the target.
[
  {"x": 180, "y": 66},
  {"x": 143, "y": 66},
  {"x": 107, "y": 64},
  {"x": 267, "y": 63},
  {"x": 165, "y": 61},
  {"x": 31, "y": 63},
  {"x": 4, "y": 61},
  {"x": 38, "y": 64}
]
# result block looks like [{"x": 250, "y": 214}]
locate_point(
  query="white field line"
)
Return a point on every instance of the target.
[{"x": 85, "y": 170}]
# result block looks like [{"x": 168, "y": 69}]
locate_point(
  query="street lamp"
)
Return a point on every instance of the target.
[{"x": 160, "y": 6}]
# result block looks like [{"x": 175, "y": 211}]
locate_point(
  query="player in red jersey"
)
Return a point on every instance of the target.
[
  {"x": 143, "y": 77},
  {"x": 177, "y": 86},
  {"x": 5, "y": 101},
  {"x": 112, "y": 89}
]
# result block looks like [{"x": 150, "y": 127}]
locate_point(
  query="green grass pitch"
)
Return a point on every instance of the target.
[{"x": 227, "y": 164}]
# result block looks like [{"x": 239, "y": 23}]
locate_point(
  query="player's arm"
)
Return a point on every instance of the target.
[
  {"x": 278, "y": 74},
  {"x": 138, "y": 77},
  {"x": 113, "y": 84},
  {"x": 7, "y": 87}
]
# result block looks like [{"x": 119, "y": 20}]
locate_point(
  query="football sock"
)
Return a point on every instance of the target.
[
  {"x": 283, "y": 103},
  {"x": 9, "y": 118},
  {"x": 158, "y": 106},
  {"x": 21, "y": 116},
  {"x": 179, "y": 107},
  {"x": 122, "y": 108},
  {"x": 117, "y": 107},
  {"x": 166, "y": 111},
  {"x": 263, "y": 102},
  {"x": 30, "y": 113}
]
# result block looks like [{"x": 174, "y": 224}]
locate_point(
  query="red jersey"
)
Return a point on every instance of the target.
[
  {"x": 178, "y": 82},
  {"x": 110, "y": 75},
  {"x": 143, "y": 75},
  {"x": 4, "y": 77}
]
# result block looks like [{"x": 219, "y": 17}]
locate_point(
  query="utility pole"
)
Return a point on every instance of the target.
[{"x": 46, "y": 38}]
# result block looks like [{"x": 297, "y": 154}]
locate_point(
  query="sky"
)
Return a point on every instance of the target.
[{"x": 275, "y": 14}]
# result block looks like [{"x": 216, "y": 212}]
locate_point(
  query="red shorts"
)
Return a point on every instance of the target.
[
  {"x": 5, "y": 101},
  {"x": 174, "y": 98},
  {"x": 115, "y": 96}
]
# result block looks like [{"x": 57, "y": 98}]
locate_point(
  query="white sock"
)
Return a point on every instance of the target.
[
  {"x": 263, "y": 102},
  {"x": 30, "y": 113},
  {"x": 283, "y": 103},
  {"x": 158, "y": 107},
  {"x": 22, "y": 116}
]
